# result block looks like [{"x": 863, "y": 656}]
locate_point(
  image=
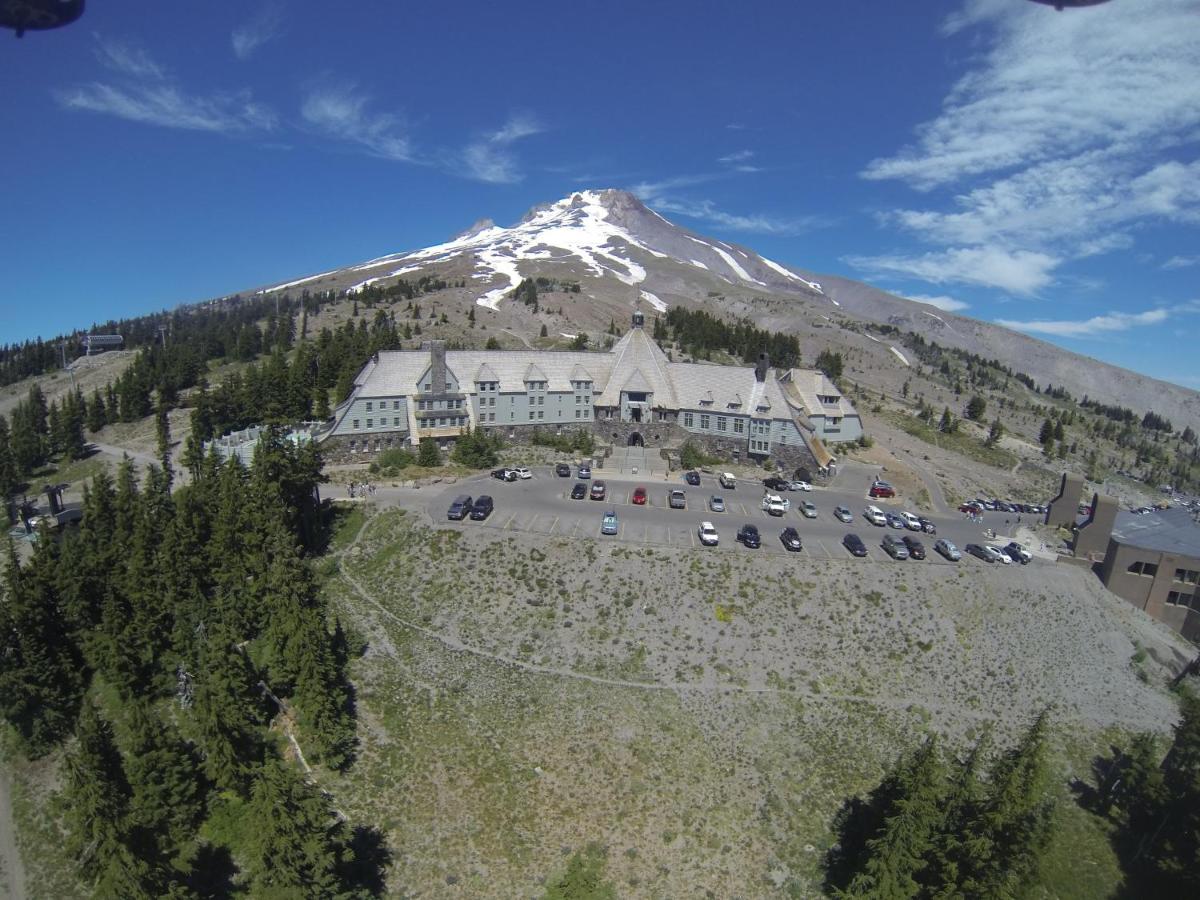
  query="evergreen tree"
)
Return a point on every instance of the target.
[
  {"x": 73, "y": 444},
  {"x": 299, "y": 846},
  {"x": 1058, "y": 431},
  {"x": 544, "y": 332},
  {"x": 428, "y": 454},
  {"x": 8, "y": 465},
  {"x": 947, "y": 425},
  {"x": 96, "y": 413},
  {"x": 162, "y": 428},
  {"x": 899, "y": 851},
  {"x": 40, "y": 679},
  {"x": 28, "y": 448},
  {"x": 1047, "y": 432},
  {"x": 226, "y": 712},
  {"x": 167, "y": 796},
  {"x": 995, "y": 433},
  {"x": 96, "y": 796},
  {"x": 38, "y": 411},
  {"x": 975, "y": 408}
]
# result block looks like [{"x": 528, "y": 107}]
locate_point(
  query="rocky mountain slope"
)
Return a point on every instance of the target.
[{"x": 619, "y": 251}]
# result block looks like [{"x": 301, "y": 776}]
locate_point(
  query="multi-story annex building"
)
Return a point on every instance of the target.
[{"x": 632, "y": 394}]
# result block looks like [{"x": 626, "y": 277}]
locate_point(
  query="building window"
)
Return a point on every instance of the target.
[
  {"x": 396, "y": 422},
  {"x": 703, "y": 422},
  {"x": 687, "y": 420},
  {"x": 1187, "y": 576},
  {"x": 1143, "y": 568},
  {"x": 368, "y": 406},
  {"x": 541, "y": 414},
  {"x": 356, "y": 423},
  {"x": 395, "y": 404},
  {"x": 720, "y": 423},
  {"x": 353, "y": 444},
  {"x": 738, "y": 426},
  {"x": 370, "y": 423}
]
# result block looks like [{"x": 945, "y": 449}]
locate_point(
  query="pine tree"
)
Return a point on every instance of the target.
[
  {"x": 950, "y": 856},
  {"x": 1011, "y": 826},
  {"x": 8, "y": 464},
  {"x": 898, "y": 852},
  {"x": 38, "y": 411},
  {"x": 96, "y": 413},
  {"x": 428, "y": 454},
  {"x": 167, "y": 796},
  {"x": 162, "y": 427},
  {"x": 74, "y": 445},
  {"x": 975, "y": 408},
  {"x": 96, "y": 795},
  {"x": 995, "y": 433},
  {"x": 1047, "y": 432},
  {"x": 226, "y": 711},
  {"x": 298, "y": 845}
]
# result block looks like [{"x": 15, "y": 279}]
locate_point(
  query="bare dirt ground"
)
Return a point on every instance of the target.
[{"x": 700, "y": 716}]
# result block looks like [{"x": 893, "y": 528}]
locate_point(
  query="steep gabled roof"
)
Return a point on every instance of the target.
[
  {"x": 533, "y": 373},
  {"x": 579, "y": 373},
  {"x": 485, "y": 373},
  {"x": 637, "y": 382},
  {"x": 633, "y": 353}
]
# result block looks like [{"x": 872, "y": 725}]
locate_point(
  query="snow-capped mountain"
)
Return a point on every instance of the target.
[
  {"x": 619, "y": 251},
  {"x": 601, "y": 233}
]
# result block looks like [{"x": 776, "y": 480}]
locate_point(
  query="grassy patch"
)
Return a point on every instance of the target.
[
  {"x": 584, "y": 878},
  {"x": 957, "y": 442}
]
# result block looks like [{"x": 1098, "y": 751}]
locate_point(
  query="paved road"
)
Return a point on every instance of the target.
[{"x": 542, "y": 505}]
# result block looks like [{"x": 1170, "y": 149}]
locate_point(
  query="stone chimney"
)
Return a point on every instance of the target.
[
  {"x": 761, "y": 367},
  {"x": 437, "y": 365}
]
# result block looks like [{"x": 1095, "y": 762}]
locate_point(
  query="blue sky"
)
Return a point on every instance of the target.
[{"x": 996, "y": 157}]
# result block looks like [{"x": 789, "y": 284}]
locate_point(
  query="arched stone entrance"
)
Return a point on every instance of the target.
[{"x": 635, "y": 440}]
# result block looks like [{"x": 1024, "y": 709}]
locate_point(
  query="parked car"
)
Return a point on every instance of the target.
[
  {"x": 677, "y": 500},
  {"x": 708, "y": 535},
  {"x": 875, "y": 515},
  {"x": 842, "y": 514},
  {"x": 927, "y": 526},
  {"x": 638, "y": 498},
  {"x": 916, "y": 550},
  {"x": 608, "y": 524},
  {"x": 894, "y": 547},
  {"x": 1001, "y": 556},
  {"x": 911, "y": 522},
  {"x": 799, "y": 486},
  {"x": 882, "y": 489},
  {"x": 692, "y": 478},
  {"x": 523, "y": 472},
  {"x": 579, "y": 491},
  {"x": 716, "y": 504},
  {"x": 599, "y": 488},
  {"x": 775, "y": 483},
  {"x": 987, "y": 554},
  {"x": 749, "y": 537},
  {"x": 728, "y": 481},
  {"x": 894, "y": 521},
  {"x": 460, "y": 508},
  {"x": 808, "y": 509},
  {"x": 562, "y": 470},
  {"x": 948, "y": 550},
  {"x": 504, "y": 474},
  {"x": 1017, "y": 553},
  {"x": 585, "y": 472},
  {"x": 854, "y": 544},
  {"x": 971, "y": 508},
  {"x": 775, "y": 505},
  {"x": 482, "y": 508},
  {"x": 791, "y": 539}
]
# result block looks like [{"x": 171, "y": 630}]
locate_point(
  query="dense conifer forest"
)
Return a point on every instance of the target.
[{"x": 177, "y": 645}]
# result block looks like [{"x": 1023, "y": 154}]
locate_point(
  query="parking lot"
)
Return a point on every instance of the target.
[{"x": 543, "y": 505}]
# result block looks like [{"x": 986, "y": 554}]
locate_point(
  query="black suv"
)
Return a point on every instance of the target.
[
  {"x": 579, "y": 491},
  {"x": 748, "y": 535},
  {"x": 482, "y": 508},
  {"x": 460, "y": 508},
  {"x": 854, "y": 544},
  {"x": 562, "y": 470},
  {"x": 791, "y": 539},
  {"x": 692, "y": 478},
  {"x": 504, "y": 474},
  {"x": 776, "y": 484},
  {"x": 916, "y": 550}
]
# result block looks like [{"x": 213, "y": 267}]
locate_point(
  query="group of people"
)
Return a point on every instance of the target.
[{"x": 361, "y": 489}]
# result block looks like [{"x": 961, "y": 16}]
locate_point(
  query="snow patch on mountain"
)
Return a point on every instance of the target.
[
  {"x": 281, "y": 287},
  {"x": 899, "y": 355},
  {"x": 654, "y": 301},
  {"x": 784, "y": 272}
]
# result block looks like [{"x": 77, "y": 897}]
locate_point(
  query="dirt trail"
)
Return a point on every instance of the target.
[{"x": 12, "y": 869}]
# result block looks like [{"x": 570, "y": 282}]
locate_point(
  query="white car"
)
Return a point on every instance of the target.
[
  {"x": 523, "y": 472},
  {"x": 875, "y": 516},
  {"x": 911, "y": 522},
  {"x": 1001, "y": 556},
  {"x": 775, "y": 505},
  {"x": 799, "y": 486},
  {"x": 708, "y": 535}
]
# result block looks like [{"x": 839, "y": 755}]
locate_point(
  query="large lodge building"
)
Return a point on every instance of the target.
[{"x": 632, "y": 394}]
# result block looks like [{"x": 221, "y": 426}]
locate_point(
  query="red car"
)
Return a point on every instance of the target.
[
  {"x": 882, "y": 489},
  {"x": 639, "y": 496},
  {"x": 972, "y": 508}
]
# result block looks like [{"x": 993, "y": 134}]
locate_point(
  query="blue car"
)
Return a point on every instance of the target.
[{"x": 609, "y": 525}]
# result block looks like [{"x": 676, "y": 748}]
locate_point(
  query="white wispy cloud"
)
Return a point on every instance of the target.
[
  {"x": 739, "y": 156},
  {"x": 490, "y": 158},
  {"x": 147, "y": 93},
  {"x": 1017, "y": 271},
  {"x": 1064, "y": 135},
  {"x": 1181, "y": 262},
  {"x": 661, "y": 196},
  {"x": 1093, "y": 327},
  {"x": 340, "y": 111},
  {"x": 949, "y": 304},
  {"x": 264, "y": 26}
]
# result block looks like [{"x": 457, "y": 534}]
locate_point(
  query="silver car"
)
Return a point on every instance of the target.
[{"x": 716, "y": 504}]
